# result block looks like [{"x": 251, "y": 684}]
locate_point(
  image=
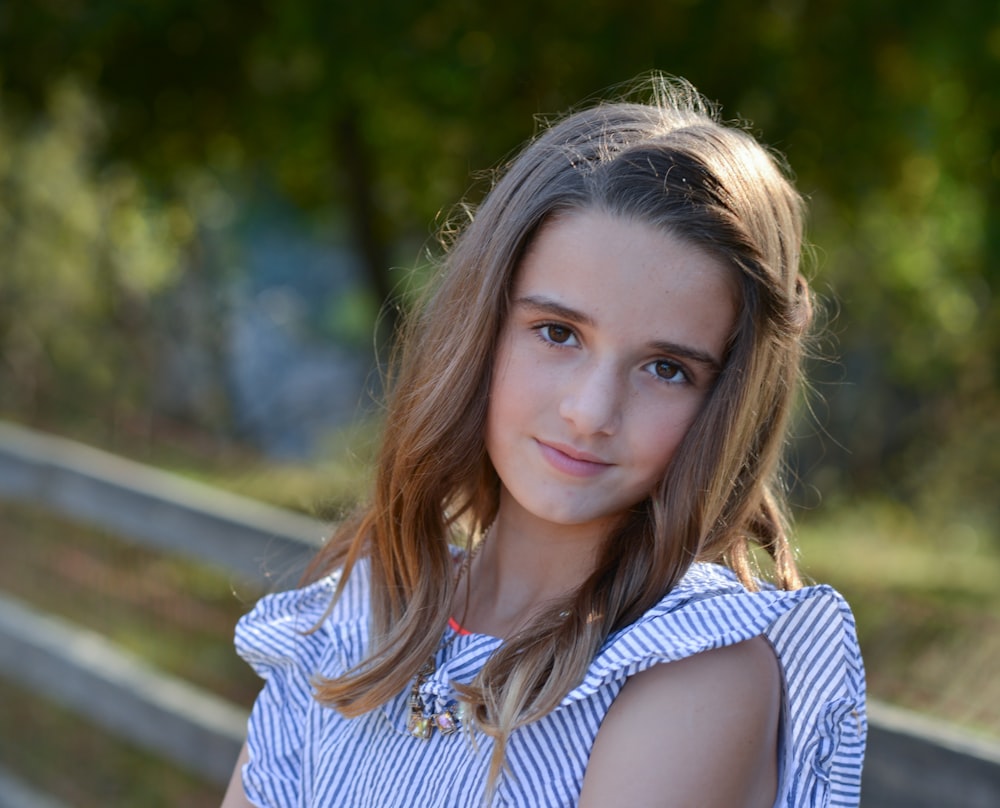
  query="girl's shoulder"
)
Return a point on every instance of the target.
[
  {"x": 303, "y": 627},
  {"x": 709, "y": 608},
  {"x": 289, "y": 638},
  {"x": 813, "y": 634}
]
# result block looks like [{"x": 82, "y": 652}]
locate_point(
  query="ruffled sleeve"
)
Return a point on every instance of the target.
[
  {"x": 813, "y": 635},
  {"x": 288, "y": 639},
  {"x": 705, "y": 610}
]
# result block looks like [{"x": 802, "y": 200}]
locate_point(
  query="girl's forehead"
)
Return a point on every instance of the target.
[
  {"x": 628, "y": 278},
  {"x": 614, "y": 252}
]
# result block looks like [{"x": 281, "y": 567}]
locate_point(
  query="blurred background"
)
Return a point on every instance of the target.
[{"x": 205, "y": 206}]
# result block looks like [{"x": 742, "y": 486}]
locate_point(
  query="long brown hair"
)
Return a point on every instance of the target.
[{"x": 668, "y": 163}]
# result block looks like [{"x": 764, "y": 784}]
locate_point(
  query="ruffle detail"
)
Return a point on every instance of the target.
[
  {"x": 289, "y": 639},
  {"x": 708, "y": 609}
]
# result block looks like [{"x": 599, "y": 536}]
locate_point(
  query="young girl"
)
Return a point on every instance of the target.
[{"x": 552, "y": 599}]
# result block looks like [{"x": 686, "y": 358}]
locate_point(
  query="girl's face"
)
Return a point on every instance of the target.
[{"x": 616, "y": 333}]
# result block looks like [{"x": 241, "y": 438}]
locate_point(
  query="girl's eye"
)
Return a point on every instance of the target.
[
  {"x": 668, "y": 371},
  {"x": 555, "y": 333}
]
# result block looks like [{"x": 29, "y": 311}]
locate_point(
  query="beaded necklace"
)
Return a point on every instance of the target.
[{"x": 455, "y": 713}]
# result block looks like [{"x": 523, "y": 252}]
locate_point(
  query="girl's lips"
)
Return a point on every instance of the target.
[{"x": 572, "y": 462}]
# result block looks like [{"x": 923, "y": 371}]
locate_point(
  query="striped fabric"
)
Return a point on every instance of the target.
[{"x": 303, "y": 754}]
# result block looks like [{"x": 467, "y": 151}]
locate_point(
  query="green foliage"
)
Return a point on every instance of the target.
[
  {"x": 85, "y": 251},
  {"x": 888, "y": 113}
]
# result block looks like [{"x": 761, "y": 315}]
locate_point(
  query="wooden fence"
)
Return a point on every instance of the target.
[{"x": 912, "y": 761}]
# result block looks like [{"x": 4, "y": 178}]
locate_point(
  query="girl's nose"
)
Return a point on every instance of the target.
[{"x": 592, "y": 401}]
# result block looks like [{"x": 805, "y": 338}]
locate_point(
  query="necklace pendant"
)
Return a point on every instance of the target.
[
  {"x": 446, "y": 721},
  {"x": 419, "y": 726}
]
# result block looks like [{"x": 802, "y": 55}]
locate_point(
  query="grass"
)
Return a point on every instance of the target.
[
  {"x": 925, "y": 597},
  {"x": 77, "y": 763},
  {"x": 176, "y": 615}
]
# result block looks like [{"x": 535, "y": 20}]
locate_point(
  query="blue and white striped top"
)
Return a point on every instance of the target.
[{"x": 304, "y": 754}]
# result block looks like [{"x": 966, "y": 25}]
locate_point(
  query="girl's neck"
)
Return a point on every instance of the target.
[{"x": 521, "y": 570}]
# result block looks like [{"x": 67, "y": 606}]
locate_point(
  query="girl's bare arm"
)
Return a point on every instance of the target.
[
  {"x": 235, "y": 798},
  {"x": 698, "y": 732}
]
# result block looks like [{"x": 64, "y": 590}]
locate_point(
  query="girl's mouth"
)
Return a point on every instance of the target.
[{"x": 571, "y": 461}]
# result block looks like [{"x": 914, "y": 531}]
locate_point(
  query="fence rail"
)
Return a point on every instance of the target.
[
  {"x": 912, "y": 761},
  {"x": 152, "y": 507}
]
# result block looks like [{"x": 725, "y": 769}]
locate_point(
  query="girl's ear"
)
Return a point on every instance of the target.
[{"x": 802, "y": 313}]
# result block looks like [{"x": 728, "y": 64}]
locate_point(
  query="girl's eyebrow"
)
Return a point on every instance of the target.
[{"x": 546, "y": 305}]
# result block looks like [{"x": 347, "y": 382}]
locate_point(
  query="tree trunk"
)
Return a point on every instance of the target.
[{"x": 367, "y": 225}]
